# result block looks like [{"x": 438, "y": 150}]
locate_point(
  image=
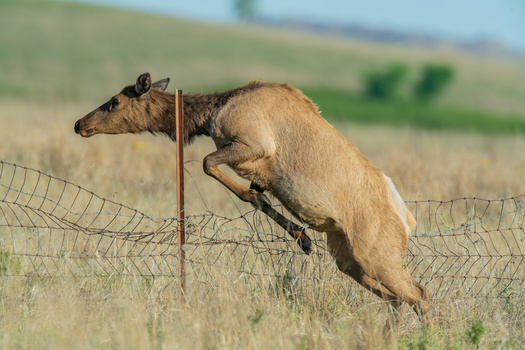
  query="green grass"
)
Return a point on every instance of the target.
[
  {"x": 344, "y": 106},
  {"x": 72, "y": 51}
]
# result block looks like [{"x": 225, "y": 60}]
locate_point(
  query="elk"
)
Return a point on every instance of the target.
[{"x": 272, "y": 135}]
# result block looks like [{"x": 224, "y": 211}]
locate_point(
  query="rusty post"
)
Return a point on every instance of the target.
[{"x": 179, "y": 115}]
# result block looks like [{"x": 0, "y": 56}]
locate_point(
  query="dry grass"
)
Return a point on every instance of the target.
[
  {"x": 227, "y": 310},
  {"x": 236, "y": 312},
  {"x": 128, "y": 314}
]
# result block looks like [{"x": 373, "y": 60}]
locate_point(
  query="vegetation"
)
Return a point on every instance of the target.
[
  {"x": 433, "y": 80},
  {"x": 232, "y": 310},
  {"x": 246, "y": 9},
  {"x": 344, "y": 106},
  {"x": 475, "y": 332},
  {"x": 8, "y": 263},
  {"x": 61, "y": 60},
  {"x": 101, "y": 50},
  {"x": 384, "y": 85}
]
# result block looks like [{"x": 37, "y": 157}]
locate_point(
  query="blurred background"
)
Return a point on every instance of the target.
[
  {"x": 381, "y": 71},
  {"x": 464, "y": 56}
]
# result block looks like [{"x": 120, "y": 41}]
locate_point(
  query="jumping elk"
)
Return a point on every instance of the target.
[{"x": 274, "y": 136}]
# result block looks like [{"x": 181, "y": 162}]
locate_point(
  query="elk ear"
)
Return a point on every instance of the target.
[
  {"x": 161, "y": 84},
  {"x": 143, "y": 84}
]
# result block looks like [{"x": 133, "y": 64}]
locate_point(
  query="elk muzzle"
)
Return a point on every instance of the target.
[{"x": 82, "y": 131}]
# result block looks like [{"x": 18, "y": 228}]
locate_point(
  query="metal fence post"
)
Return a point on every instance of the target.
[{"x": 179, "y": 114}]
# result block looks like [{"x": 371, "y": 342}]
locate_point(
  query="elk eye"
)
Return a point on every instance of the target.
[{"x": 115, "y": 102}]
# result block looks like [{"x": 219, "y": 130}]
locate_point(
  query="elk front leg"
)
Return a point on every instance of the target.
[
  {"x": 233, "y": 154},
  {"x": 237, "y": 154}
]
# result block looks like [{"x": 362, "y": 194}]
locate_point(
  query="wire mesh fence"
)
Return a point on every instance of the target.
[{"x": 49, "y": 227}]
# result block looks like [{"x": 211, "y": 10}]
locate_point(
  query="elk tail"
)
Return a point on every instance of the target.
[{"x": 397, "y": 202}]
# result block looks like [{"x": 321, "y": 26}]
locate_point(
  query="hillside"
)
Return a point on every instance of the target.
[{"x": 68, "y": 52}]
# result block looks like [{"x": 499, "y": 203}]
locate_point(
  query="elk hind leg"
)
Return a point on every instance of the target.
[
  {"x": 339, "y": 248},
  {"x": 395, "y": 286},
  {"x": 393, "y": 301},
  {"x": 396, "y": 293},
  {"x": 399, "y": 283}
]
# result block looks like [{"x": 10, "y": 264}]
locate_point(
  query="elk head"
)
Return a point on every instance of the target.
[{"x": 133, "y": 110}]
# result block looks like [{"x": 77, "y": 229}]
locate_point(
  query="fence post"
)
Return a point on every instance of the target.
[{"x": 179, "y": 115}]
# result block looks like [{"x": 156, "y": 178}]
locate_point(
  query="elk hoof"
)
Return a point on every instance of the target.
[
  {"x": 306, "y": 246},
  {"x": 258, "y": 199}
]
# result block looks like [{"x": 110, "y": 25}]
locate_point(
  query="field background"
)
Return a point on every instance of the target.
[{"x": 59, "y": 60}]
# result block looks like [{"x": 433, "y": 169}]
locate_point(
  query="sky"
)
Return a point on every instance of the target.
[{"x": 502, "y": 20}]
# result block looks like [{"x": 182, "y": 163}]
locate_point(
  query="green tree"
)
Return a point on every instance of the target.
[
  {"x": 434, "y": 79},
  {"x": 384, "y": 84},
  {"x": 245, "y": 9}
]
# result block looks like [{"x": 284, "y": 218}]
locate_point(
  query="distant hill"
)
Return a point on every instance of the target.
[
  {"x": 72, "y": 52},
  {"x": 481, "y": 46}
]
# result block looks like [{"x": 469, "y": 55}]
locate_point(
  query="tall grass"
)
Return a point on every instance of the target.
[
  {"x": 134, "y": 313},
  {"x": 230, "y": 310}
]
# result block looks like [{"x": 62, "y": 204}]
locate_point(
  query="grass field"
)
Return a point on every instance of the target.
[
  {"x": 230, "y": 311},
  {"x": 51, "y": 77}
]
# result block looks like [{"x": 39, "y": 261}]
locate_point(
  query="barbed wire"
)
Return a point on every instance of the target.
[{"x": 49, "y": 227}]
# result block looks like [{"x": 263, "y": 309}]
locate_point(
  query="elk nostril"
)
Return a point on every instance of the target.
[{"x": 77, "y": 127}]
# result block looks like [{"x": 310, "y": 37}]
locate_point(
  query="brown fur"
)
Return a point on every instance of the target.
[{"x": 273, "y": 135}]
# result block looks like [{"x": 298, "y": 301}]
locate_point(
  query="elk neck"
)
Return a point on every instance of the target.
[{"x": 199, "y": 111}]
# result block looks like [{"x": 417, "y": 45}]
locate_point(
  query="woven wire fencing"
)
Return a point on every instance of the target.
[{"x": 49, "y": 227}]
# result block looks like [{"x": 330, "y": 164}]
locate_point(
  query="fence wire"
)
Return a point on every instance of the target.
[{"x": 49, "y": 227}]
